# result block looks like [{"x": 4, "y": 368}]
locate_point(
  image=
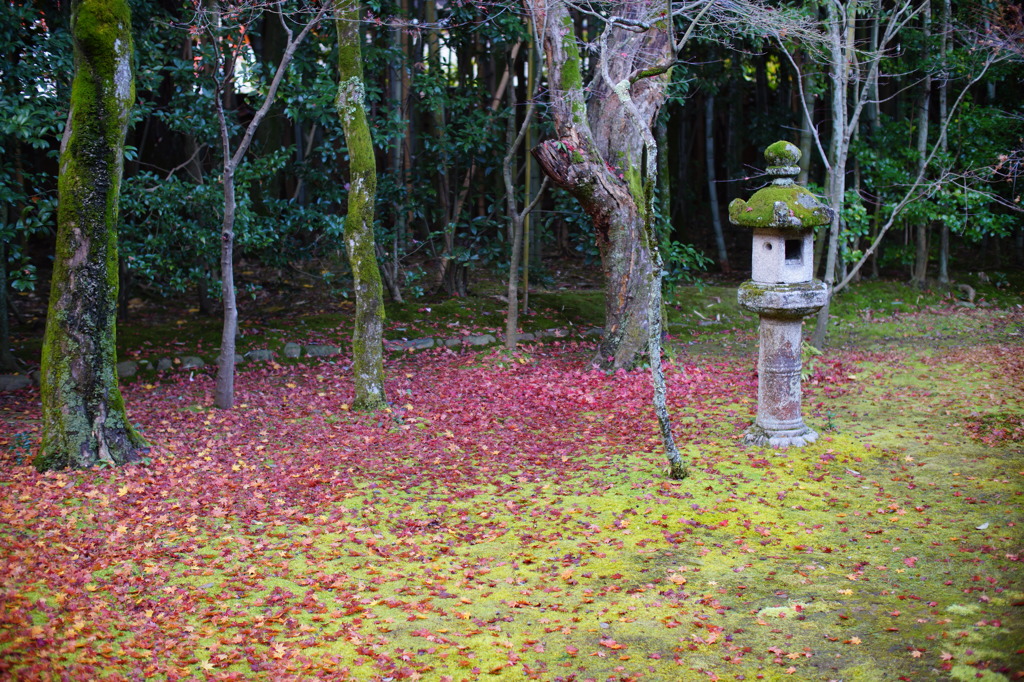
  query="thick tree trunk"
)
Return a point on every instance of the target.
[
  {"x": 597, "y": 157},
  {"x": 621, "y": 204},
  {"x": 84, "y": 420},
  {"x": 368, "y": 335},
  {"x": 626, "y": 260}
]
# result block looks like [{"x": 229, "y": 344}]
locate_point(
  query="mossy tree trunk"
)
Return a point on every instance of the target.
[
  {"x": 597, "y": 156},
  {"x": 367, "y": 337},
  {"x": 84, "y": 420}
]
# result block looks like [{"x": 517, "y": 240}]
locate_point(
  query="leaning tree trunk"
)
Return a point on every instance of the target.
[
  {"x": 597, "y": 157},
  {"x": 626, "y": 259},
  {"x": 367, "y": 337},
  {"x": 84, "y": 420}
]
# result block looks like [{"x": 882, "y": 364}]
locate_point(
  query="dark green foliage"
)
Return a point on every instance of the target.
[
  {"x": 34, "y": 88},
  {"x": 964, "y": 201},
  {"x": 292, "y": 191}
]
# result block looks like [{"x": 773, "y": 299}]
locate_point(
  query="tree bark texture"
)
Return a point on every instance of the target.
[
  {"x": 839, "y": 66},
  {"x": 368, "y": 335},
  {"x": 84, "y": 419},
  {"x": 709, "y": 156},
  {"x": 224, "y": 391},
  {"x": 7, "y": 361},
  {"x": 943, "y": 142},
  {"x": 597, "y": 157},
  {"x": 922, "y": 230}
]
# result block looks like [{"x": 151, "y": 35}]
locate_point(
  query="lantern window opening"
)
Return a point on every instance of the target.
[{"x": 794, "y": 251}]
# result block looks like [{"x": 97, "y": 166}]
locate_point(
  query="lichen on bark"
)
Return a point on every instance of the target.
[
  {"x": 84, "y": 419},
  {"x": 368, "y": 333},
  {"x": 572, "y": 74},
  {"x": 351, "y": 95}
]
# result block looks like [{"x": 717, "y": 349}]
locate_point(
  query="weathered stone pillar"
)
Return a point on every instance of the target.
[
  {"x": 778, "y": 372},
  {"x": 782, "y": 291}
]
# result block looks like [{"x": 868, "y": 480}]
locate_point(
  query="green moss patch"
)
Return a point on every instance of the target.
[{"x": 510, "y": 518}]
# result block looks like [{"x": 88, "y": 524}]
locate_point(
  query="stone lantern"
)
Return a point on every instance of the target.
[{"x": 782, "y": 291}]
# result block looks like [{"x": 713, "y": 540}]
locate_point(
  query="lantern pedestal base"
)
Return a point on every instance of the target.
[{"x": 780, "y": 438}]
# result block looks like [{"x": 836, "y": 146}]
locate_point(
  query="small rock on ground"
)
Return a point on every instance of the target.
[
  {"x": 14, "y": 382},
  {"x": 319, "y": 351},
  {"x": 192, "y": 362},
  {"x": 419, "y": 344},
  {"x": 479, "y": 340},
  {"x": 127, "y": 369}
]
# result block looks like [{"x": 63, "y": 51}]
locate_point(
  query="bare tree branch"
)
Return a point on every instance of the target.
[{"x": 916, "y": 189}]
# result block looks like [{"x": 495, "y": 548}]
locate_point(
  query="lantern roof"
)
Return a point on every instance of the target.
[{"x": 783, "y": 204}]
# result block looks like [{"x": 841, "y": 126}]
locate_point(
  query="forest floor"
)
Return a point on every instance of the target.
[{"x": 510, "y": 519}]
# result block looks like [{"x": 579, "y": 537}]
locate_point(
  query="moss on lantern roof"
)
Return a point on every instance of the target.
[{"x": 791, "y": 207}]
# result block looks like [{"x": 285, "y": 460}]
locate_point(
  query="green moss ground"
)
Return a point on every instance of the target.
[{"x": 891, "y": 549}]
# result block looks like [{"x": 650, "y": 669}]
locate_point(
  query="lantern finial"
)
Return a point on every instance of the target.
[{"x": 783, "y": 160}]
